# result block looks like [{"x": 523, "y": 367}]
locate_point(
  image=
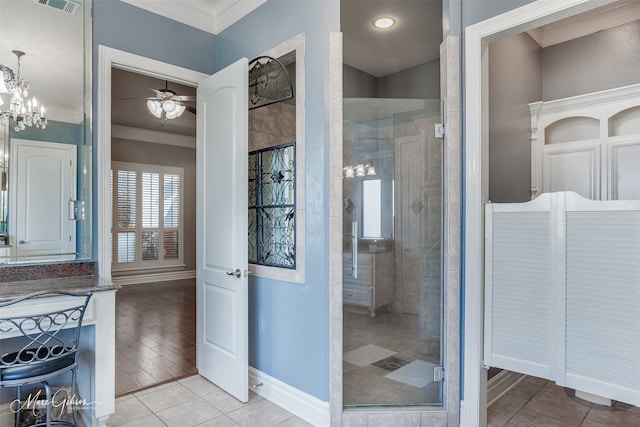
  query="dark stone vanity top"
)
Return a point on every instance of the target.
[{"x": 11, "y": 290}]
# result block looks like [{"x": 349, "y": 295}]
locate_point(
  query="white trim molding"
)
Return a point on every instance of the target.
[
  {"x": 477, "y": 37},
  {"x": 299, "y": 403},
  {"x": 612, "y": 15},
  {"x": 135, "y": 279},
  {"x": 210, "y": 16}
]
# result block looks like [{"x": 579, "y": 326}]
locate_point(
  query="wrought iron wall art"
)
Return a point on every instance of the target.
[
  {"x": 272, "y": 189},
  {"x": 269, "y": 82}
]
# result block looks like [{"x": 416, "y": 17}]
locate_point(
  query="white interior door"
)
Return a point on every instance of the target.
[
  {"x": 222, "y": 322},
  {"x": 43, "y": 182}
]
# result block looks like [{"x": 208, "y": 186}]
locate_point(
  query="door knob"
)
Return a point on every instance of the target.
[
  {"x": 236, "y": 273},
  {"x": 22, "y": 241}
]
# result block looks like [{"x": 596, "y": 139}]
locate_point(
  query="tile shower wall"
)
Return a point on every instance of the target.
[{"x": 272, "y": 125}]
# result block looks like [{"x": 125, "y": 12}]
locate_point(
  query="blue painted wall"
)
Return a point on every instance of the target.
[
  {"x": 125, "y": 27},
  {"x": 121, "y": 26},
  {"x": 289, "y": 323}
]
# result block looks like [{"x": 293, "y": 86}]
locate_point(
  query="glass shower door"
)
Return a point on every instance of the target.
[{"x": 392, "y": 253}]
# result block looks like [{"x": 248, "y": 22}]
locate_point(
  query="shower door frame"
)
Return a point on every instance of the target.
[{"x": 448, "y": 413}]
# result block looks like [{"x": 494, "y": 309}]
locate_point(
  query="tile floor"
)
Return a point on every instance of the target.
[
  {"x": 368, "y": 385},
  {"x": 155, "y": 334},
  {"x": 194, "y": 401},
  {"x": 162, "y": 348},
  {"x": 536, "y": 402}
]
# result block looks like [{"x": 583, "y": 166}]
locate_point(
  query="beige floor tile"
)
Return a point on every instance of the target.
[
  {"x": 188, "y": 414},
  {"x": 260, "y": 414},
  {"x": 128, "y": 408},
  {"x": 199, "y": 385},
  {"x": 148, "y": 421},
  {"x": 226, "y": 403},
  {"x": 166, "y": 397},
  {"x": 151, "y": 390},
  {"x": 293, "y": 422},
  {"x": 221, "y": 421}
]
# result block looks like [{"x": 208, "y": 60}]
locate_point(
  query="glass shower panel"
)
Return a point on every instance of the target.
[{"x": 392, "y": 252}]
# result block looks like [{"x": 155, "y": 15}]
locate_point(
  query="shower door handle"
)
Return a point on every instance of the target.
[{"x": 354, "y": 248}]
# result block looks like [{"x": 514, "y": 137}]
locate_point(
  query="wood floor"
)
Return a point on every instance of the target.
[{"x": 155, "y": 334}]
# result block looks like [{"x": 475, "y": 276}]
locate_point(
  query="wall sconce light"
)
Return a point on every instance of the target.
[{"x": 359, "y": 169}]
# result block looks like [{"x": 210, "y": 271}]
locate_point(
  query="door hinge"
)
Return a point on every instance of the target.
[
  {"x": 438, "y": 374},
  {"x": 440, "y": 130}
]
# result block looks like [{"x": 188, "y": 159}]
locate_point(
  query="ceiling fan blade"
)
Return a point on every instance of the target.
[
  {"x": 130, "y": 99},
  {"x": 190, "y": 109},
  {"x": 184, "y": 98}
]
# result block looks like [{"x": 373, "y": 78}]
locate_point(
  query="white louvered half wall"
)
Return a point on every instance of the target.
[{"x": 562, "y": 292}]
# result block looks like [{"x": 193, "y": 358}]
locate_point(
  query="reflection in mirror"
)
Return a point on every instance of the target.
[
  {"x": 371, "y": 209},
  {"x": 45, "y": 199}
]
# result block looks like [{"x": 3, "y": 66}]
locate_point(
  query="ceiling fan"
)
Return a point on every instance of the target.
[{"x": 168, "y": 103}]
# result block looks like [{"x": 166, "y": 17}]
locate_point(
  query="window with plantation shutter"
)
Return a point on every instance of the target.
[{"x": 147, "y": 207}]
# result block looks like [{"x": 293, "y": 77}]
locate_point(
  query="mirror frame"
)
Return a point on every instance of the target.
[{"x": 85, "y": 226}]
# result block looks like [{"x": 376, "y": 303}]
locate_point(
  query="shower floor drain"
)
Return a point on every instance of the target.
[{"x": 390, "y": 363}]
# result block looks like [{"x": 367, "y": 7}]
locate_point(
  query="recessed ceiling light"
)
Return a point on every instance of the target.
[{"x": 384, "y": 22}]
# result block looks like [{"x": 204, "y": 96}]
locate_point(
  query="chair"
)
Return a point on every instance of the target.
[{"x": 44, "y": 351}]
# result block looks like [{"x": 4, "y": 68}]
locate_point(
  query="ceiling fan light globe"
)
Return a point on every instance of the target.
[
  {"x": 176, "y": 113},
  {"x": 154, "y": 108},
  {"x": 169, "y": 106}
]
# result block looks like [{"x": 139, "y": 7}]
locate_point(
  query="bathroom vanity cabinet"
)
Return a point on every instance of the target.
[{"x": 374, "y": 286}]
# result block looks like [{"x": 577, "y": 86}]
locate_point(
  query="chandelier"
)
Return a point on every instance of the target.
[{"x": 23, "y": 111}]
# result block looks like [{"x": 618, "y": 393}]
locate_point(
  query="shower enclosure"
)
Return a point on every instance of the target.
[{"x": 392, "y": 253}]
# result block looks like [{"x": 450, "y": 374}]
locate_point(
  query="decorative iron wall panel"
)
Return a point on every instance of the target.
[{"x": 272, "y": 236}]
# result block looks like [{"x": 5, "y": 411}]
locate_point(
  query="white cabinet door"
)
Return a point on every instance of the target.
[
  {"x": 572, "y": 168},
  {"x": 222, "y": 216},
  {"x": 43, "y": 182},
  {"x": 624, "y": 173}
]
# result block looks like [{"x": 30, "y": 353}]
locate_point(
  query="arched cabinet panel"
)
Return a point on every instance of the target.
[
  {"x": 626, "y": 122},
  {"x": 589, "y": 144},
  {"x": 572, "y": 129}
]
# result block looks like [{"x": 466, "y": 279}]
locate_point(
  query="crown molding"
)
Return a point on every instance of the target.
[
  {"x": 603, "y": 18},
  {"x": 212, "y": 16}
]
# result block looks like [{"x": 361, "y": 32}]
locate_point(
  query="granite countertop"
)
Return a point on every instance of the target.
[{"x": 11, "y": 290}]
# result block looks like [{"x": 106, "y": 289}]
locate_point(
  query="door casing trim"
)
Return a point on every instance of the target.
[
  {"x": 475, "y": 193},
  {"x": 109, "y": 58}
]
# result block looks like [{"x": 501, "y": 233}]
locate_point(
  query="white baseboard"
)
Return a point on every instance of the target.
[
  {"x": 502, "y": 383},
  {"x": 300, "y": 404},
  {"x": 154, "y": 277}
]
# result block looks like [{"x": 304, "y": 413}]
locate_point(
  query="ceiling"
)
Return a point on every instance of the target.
[
  {"x": 414, "y": 40},
  {"x": 129, "y": 93},
  {"x": 54, "y": 66}
]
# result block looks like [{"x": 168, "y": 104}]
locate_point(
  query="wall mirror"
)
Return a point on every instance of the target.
[{"x": 45, "y": 143}]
